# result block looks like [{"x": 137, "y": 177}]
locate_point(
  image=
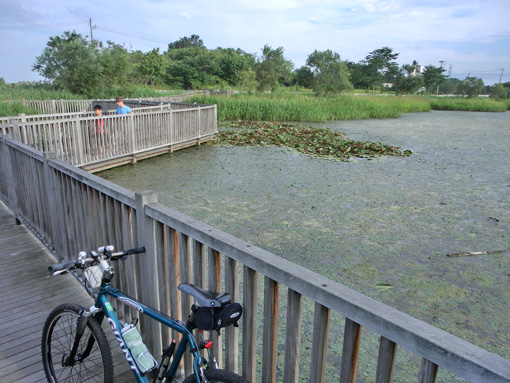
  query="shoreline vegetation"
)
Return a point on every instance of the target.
[
  {"x": 262, "y": 119},
  {"x": 299, "y": 107}
]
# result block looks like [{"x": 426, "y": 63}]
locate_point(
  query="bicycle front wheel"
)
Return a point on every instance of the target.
[
  {"x": 57, "y": 340},
  {"x": 218, "y": 376}
]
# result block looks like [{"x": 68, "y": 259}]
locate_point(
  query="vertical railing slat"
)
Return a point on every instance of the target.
[
  {"x": 269, "y": 330},
  {"x": 214, "y": 284},
  {"x": 352, "y": 336},
  {"x": 319, "y": 344},
  {"x": 250, "y": 323},
  {"x": 231, "y": 332},
  {"x": 385, "y": 361},
  {"x": 293, "y": 336},
  {"x": 428, "y": 372}
]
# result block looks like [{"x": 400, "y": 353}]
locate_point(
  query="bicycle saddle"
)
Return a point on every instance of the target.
[{"x": 205, "y": 298}]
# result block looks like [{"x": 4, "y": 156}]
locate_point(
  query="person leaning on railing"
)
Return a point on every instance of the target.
[
  {"x": 121, "y": 108},
  {"x": 100, "y": 129}
]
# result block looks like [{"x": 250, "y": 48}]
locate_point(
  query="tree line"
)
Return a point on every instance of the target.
[{"x": 73, "y": 63}]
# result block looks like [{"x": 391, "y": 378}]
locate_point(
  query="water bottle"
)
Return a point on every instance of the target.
[{"x": 141, "y": 355}]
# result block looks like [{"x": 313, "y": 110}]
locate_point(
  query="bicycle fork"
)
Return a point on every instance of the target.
[{"x": 81, "y": 325}]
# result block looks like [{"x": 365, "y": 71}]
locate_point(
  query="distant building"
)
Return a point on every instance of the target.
[{"x": 418, "y": 69}]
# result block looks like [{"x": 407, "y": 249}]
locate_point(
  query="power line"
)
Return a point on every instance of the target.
[
  {"x": 136, "y": 36},
  {"x": 19, "y": 28}
]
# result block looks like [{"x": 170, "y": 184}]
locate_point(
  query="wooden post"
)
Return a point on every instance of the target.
[
  {"x": 12, "y": 196},
  {"x": 132, "y": 136},
  {"x": 54, "y": 214},
  {"x": 148, "y": 266}
]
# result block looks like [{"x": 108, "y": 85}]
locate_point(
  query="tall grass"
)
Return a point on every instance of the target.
[
  {"x": 469, "y": 104},
  {"x": 14, "y": 108},
  {"x": 310, "y": 108},
  {"x": 40, "y": 91}
]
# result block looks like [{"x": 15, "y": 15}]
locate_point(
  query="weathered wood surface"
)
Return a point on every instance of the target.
[
  {"x": 97, "y": 143},
  {"x": 27, "y": 296},
  {"x": 88, "y": 211}
]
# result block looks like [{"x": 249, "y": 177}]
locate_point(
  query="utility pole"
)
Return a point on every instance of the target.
[
  {"x": 501, "y": 75},
  {"x": 91, "y": 27}
]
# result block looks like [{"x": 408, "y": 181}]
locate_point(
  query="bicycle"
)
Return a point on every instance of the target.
[{"x": 75, "y": 347}]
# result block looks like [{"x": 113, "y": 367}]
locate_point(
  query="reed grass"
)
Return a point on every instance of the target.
[
  {"x": 469, "y": 104},
  {"x": 310, "y": 108},
  {"x": 14, "y": 108}
]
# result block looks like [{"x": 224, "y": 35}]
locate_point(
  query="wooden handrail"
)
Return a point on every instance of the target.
[{"x": 86, "y": 211}]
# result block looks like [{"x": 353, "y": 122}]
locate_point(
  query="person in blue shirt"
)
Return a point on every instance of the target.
[{"x": 121, "y": 108}]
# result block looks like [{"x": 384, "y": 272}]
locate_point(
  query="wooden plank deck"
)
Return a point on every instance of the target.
[{"x": 27, "y": 295}]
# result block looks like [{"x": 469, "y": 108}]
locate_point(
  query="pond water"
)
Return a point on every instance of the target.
[{"x": 383, "y": 227}]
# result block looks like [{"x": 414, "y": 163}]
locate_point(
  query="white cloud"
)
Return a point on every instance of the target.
[
  {"x": 465, "y": 33},
  {"x": 186, "y": 15}
]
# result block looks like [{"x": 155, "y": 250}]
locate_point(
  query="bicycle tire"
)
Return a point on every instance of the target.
[
  {"x": 218, "y": 376},
  {"x": 57, "y": 340}
]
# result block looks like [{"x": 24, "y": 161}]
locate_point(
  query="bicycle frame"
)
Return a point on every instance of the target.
[{"x": 104, "y": 304}]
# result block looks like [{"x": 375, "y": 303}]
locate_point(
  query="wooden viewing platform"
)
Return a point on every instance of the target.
[
  {"x": 27, "y": 295},
  {"x": 72, "y": 210}
]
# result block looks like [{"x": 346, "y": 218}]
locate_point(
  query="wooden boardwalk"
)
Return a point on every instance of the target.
[{"x": 27, "y": 295}]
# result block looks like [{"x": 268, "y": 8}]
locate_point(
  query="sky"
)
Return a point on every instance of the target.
[{"x": 467, "y": 38}]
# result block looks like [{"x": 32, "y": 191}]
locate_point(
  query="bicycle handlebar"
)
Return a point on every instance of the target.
[
  {"x": 62, "y": 266},
  {"x": 136, "y": 250},
  {"x": 106, "y": 251}
]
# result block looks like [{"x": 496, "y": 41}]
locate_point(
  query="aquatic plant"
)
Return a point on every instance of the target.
[{"x": 318, "y": 142}]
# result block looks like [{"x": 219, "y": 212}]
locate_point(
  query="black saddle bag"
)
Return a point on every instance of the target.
[{"x": 207, "y": 318}]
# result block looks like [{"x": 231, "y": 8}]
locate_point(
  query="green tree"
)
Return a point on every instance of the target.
[
  {"x": 330, "y": 74},
  {"x": 191, "y": 67},
  {"x": 71, "y": 63},
  {"x": 187, "y": 42},
  {"x": 407, "y": 80},
  {"x": 450, "y": 86},
  {"x": 151, "y": 65},
  {"x": 193, "y": 72},
  {"x": 359, "y": 75},
  {"x": 471, "y": 87},
  {"x": 381, "y": 66},
  {"x": 273, "y": 69},
  {"x": 304, "y": 77},
  {"x": 433, "y": 78},
  {"x": 498, "y": 91},
  {"x": 248, "y": 80},
  {"x": 117, "y": 66},
  {"x": 231, "y": 66}
]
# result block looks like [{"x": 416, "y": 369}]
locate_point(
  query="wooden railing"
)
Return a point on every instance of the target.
[
  {"x": 91, "y": 142},
  {"x": 290, "y": 326}
]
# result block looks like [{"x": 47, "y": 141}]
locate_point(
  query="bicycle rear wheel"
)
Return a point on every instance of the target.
[
  {"x": 218, "y": 376},
  {"x": 57, "y": 340}
]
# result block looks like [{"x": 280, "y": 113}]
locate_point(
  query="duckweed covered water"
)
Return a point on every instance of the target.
[{"x": 384, "y": 227}]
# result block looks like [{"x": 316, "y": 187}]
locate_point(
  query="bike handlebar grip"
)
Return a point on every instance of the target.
[
  {"x": 61, "y": 266},
  {"x": 137, "y": 250}
]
